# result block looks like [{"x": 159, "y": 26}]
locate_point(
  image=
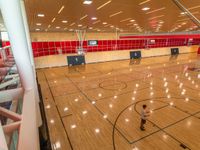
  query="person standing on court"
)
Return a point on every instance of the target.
[{"x": 144, "y": 114}]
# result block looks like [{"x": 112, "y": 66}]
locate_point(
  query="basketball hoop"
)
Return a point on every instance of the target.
[{"x": 81, "y": 37}]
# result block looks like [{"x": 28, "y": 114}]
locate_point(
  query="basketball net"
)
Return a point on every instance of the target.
[{"x": 81, "y": 37}]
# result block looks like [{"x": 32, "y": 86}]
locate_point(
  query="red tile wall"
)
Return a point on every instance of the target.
[{"x": 68, "y": 47}]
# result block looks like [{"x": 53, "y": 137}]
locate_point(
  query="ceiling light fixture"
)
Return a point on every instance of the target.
[
  {"x": 183, "y": 13},
  {"x": 72, "y": 24},
  {"x": 83, "y": 17},
  {"x": 198, "y": 6},
  {"x": 61, "y": 9},
  {"x": 156, "y": 17},
  {"x": 116, "y": 14},
  {"x": 182, "y": 20},
  {"x": 94, "y": 18},
  {"x": 38, "y": 24},
  {"x": 155, "y": 10},
  {"x": 80, "y": 25},
  {"x": 145, "y": 8},
  {"x": 104, "y": 23},
  {"x": 87, "y": 2},
  {"x": 64, "y": 21},
  {"x": 107, "y": 25},
  {"x": 125, "y": 19},
  {"x": 53, "y": 20},
  {"x": 57, "y": 27},
  {"x": 40, "y": 15},
  {"x": 146, "y": 1},
  {"x": 37, "y": 29},
  {"x": 104, "y": 4},
  {"x": 96, "y": 22}
]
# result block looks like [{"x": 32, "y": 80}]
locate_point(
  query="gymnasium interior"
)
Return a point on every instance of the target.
[{"x": 76, "y": 74}]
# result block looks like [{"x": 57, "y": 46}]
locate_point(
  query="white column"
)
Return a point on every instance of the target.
[
  {"x": 39, "y": 119},
  {"x": 27, "y": 33},
  {"x": 12, "y": 16}
]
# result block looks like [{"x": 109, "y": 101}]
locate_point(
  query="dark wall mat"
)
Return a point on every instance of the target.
[
  {"x": 75, "y": 60},
  {"x": 174, "y": 51},
  {"x": 135, "y": 54}
]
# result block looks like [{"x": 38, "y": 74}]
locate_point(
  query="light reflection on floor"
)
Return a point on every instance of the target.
[{"x": 96, "y": 107}]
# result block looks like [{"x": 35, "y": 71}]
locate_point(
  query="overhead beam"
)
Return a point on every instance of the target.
[{"x": 188, "y": 13}]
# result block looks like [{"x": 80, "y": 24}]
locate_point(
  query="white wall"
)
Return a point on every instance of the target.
[
  {"x": 93, "y": 57},
  {"x": 60, "y": 36}
]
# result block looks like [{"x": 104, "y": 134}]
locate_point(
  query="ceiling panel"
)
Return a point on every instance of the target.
[{"x": 163, "y": 16}]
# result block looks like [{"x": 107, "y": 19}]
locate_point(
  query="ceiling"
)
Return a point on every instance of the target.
[{"x": 163, "y": 15}]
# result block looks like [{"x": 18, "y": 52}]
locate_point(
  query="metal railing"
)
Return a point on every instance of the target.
[{"x": 20, "y": 128}]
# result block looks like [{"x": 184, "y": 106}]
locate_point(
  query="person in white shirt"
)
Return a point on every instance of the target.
[{"x": 144, "y": 114}]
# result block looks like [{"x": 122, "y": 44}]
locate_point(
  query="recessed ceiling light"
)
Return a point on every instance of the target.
[
  {"x": 161, "y": 22},
  {"x": 87, "y": 2},
  {"x": 104, "y": 4},
  {"x": 125, "y": 19},
  {"x": 38, "y": 24},
  {"x": 94, "y": 18},
  {"x": 145, "y": 8},
  {"x": 97, "y": 130},
  {"x": 61, "y": 9},
  {"x": 183, "y": 13},
  {"x": 132, "y": 20},
  {"x": 96, "y": 22},
  {"x": 144, "y": 2},
  {"x": 90, "y": 28},
  {"x": 80, "y": 25},
  {"x": 116, "y": 14},
  {"x": 70, "y": 29},
  {"x": 104, "y": 23},
  {"x": 57, "y": 27},
  {"x": 156, "y": 10},
  {"x": 53, "y": 19},
  {"x": 40, "y": 15},
  {"x": 83, "y": 17},
  {"x": 156, "y": 17},
  {"x": 64, "y": 21},
  {"x": 72, "y": 24},
  {"x": 37, "y": 29}
]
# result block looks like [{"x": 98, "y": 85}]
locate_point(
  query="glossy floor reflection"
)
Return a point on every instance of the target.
[{"x": 96, "y": 106}]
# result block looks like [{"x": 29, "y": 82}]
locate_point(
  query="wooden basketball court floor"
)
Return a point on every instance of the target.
[{"x": 97, "y": 106}]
